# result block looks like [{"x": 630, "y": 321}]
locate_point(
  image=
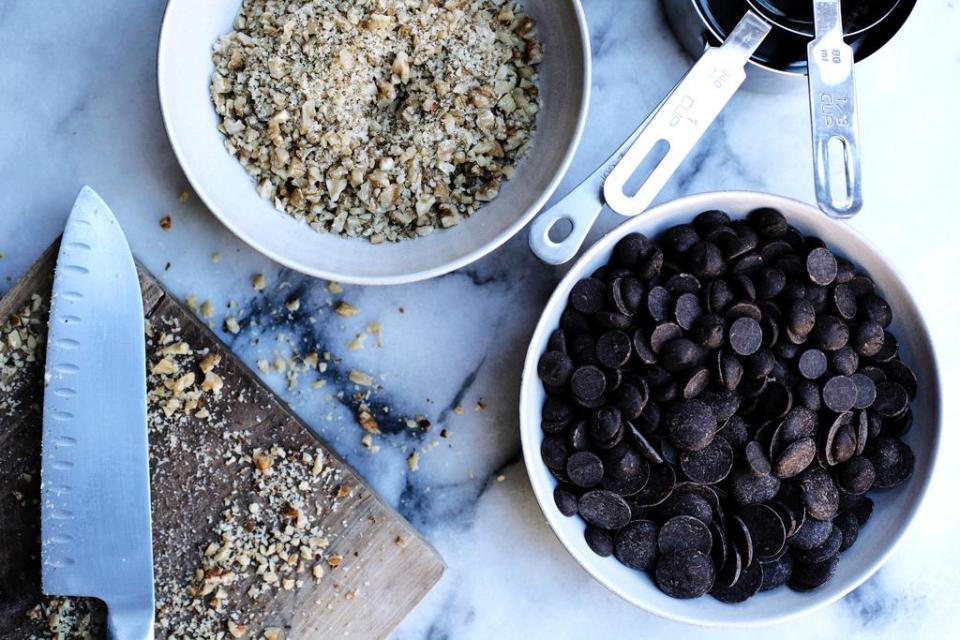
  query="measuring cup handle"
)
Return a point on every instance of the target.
[
  {"x": 614, "y": 189},
  {"x": 852, "y": 202},
  {"x": 684, "y": 117},
  {"x": 580, "y": 207},
  {"x": 833, "y": 113}
]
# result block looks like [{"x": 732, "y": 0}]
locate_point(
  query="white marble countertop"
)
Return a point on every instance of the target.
[{"x": 78, "y": 105}]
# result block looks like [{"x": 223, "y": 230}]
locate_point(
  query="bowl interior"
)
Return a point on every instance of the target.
[
  {"x": 894, "y": 508},
  {"x": 184, "y": 67}
]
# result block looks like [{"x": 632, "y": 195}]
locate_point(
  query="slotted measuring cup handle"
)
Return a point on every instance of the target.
[
  {"x": 684, "y": 117},
  {"x": 581, "y": 208},
  {"x": 833, "y": 114},
  {"x": 851, "y": 202}
]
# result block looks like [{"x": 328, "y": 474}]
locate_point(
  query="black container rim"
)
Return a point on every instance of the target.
[{"x": 865, "y": 43}]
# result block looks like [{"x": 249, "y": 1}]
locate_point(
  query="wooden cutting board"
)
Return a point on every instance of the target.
[{"x": 386, "y": 566}]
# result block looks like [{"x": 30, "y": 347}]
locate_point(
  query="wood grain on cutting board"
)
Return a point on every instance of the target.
[{"x": 387, "y": 567}]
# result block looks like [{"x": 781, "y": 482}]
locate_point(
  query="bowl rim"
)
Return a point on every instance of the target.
[
  {"x": 530, "y": 432},
  {"x": 403, "y": 278}
]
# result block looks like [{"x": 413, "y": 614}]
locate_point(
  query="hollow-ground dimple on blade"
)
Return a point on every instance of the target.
[{"x": 95, "y": 495}]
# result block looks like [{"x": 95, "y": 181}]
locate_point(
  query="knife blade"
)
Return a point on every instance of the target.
[{"x": 95, "y": 490}]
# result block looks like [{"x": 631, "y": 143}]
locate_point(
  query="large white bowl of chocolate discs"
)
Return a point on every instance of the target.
[{"x": 730, "y": 409}]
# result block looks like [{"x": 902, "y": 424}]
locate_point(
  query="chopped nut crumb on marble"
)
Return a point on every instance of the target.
[
  {"x": 357, "y": 342},
  {"x": 376, "y": 330},
  {"x": 207, "y": 309},
  {"x": 346, "y": 309},
  {"x": 360, "y": 378},
  {"x": 367, "y": 420},
  {"x": 231, "y": 324}
]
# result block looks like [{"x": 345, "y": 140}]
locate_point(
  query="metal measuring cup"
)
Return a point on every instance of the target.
[
  {"x": 833, "y": 111},
  {"x": 679, "y": 121},
  {"x": 684, "y": 115}
]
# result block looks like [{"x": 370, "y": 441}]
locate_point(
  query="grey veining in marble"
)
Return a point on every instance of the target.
[{"x": 78, "y": 105}]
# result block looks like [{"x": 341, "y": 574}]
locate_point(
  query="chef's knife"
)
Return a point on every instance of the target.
[{"x": 95, "y": 492}]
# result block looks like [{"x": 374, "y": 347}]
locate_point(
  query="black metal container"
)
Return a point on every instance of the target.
[{"x": 780, "y": 63}]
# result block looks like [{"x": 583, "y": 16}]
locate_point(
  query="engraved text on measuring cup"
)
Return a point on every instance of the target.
[
  {"x": 832, "y": 110},
  {"x": 831, "y": 55},
  {"x": 719, "y": 75},
  {"x": 681, "y": 110}
]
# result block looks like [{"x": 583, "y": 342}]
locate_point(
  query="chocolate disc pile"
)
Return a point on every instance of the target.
[{"x": 719, "y": 402}]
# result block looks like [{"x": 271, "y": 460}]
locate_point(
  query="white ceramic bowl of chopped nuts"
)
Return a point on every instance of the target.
[
  {"x": 377, "y": 142},
  {"x": 894, "y": 509}
]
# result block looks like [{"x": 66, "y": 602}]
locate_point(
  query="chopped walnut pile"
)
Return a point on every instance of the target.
[
  {"x": 381, "y": 119},
  {"x": 267, "y": 537},
  {"x": 180, "y": 381}
]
